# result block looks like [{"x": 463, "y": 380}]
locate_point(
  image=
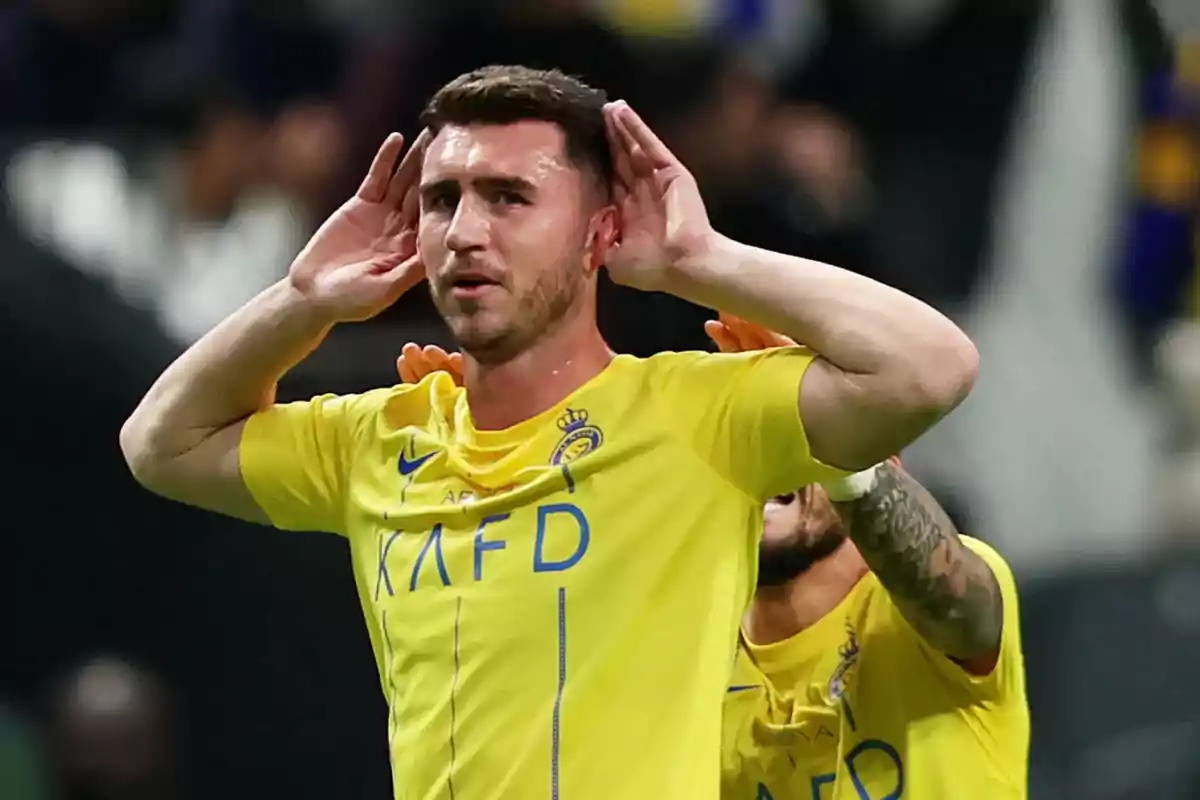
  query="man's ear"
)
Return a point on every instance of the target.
[{"x": 605, "y": 233}]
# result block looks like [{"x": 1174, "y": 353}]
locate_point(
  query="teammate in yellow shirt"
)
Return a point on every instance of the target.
[
  {"x": 553, "y": 560},
  {"x": 881, "y": 656}
]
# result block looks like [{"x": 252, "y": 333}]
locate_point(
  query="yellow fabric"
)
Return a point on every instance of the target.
[
  {"x": 553, "y": 608},
  {"x": 859, "y": 707}
]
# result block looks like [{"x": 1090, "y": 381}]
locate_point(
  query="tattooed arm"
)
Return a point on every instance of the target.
[{"x": 944, "y": 589}]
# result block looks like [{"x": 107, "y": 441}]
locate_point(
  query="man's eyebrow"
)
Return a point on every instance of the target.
[
  {"x": 490, "y": 182},
  {"x": 439, "y": 185},
  {"x": 507, "y": 182}
]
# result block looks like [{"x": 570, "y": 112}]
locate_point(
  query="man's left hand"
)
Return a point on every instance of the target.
[{"x": 663, "y": 221}]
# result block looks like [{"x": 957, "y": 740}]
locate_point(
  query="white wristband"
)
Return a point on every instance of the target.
[{"x": 851, "y": 487}]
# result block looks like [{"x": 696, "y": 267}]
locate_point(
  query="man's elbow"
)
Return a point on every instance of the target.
[
  {"x": 145, "y": 459},
  {"x": 136, "y": 451},
  {"x": 943, "y": 376}
]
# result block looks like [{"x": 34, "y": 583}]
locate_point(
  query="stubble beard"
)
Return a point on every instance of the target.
[
  {"x": 780, "y": 564},
  {"x": 539, "y": 313}
]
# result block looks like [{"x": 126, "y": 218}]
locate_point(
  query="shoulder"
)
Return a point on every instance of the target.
[
  {"x": 672, "y": 359},
  {"x": 663, "y": 363},
  {"x": 992, "y": 557},
  {"x": 1006, "y": 581},
  {"x": 876, "y": 595},
  {"x": 668, "y": 370},
  {"x": 1004, "y": 683},
  {"x": 704, "y": 366},
  {"x": 387, "y": 407}
]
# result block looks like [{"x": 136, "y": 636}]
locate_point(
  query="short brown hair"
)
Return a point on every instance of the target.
[{"x": 502, "y": 95}]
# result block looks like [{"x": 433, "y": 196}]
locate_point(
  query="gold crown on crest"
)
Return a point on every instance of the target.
[{"x": 571, "y": 420}]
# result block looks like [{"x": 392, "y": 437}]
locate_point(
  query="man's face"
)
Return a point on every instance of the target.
[
  {"x": 799, "y": 529},
  {"x": 507, "y": 233}
]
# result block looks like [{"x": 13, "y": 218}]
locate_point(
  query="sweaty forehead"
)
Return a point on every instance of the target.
[{"x": 531, "y": 150}]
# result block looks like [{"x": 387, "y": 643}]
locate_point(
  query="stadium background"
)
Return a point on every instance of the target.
[{"x": 1028, "y": 166}]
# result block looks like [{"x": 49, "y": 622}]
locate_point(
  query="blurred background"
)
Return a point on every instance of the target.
[{"x": 1030, "y": 167}]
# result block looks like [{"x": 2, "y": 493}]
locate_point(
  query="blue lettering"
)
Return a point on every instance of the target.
[
  {"x": 382, "y": 576},
  {"x": 481, "y": 545},
  {"x": 875, "y": 745},
  {"x": 820, "y": 780},
  {"x": 540, "y": 562},
  {"x": 435, "y": 541}
]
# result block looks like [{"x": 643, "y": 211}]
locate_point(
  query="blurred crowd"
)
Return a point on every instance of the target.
[
  {"x": 978, "y": 157},
  {"x": 1030, "y": 167}
]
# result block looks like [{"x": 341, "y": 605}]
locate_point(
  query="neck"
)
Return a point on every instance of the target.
[
  {"x": 501, "y": 395},
  {"x": 781, "y": 612}
]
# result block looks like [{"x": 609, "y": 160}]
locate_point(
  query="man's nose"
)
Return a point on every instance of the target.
[{"x": 469, "y": 227}]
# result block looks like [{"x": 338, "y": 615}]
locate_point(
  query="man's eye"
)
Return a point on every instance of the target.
[{"x": 511, "y": 198}]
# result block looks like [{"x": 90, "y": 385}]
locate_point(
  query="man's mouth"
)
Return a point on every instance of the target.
[{"x": 469, "y": 285}]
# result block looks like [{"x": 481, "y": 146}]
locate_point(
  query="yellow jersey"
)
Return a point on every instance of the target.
[
  {"x": 553, "y": 607},
  {"x": 859, "y": 707}
]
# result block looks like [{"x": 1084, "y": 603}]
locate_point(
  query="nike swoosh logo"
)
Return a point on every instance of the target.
[
  {"x": 733, "y": 689},
  {"x": 408, "y": 467}
]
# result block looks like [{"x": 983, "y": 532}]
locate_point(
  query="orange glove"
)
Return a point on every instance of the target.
[
  {"x": 415, "y": 362},
  {"x": 735, "y": 335},
  {"x": 730, "y": 334}
]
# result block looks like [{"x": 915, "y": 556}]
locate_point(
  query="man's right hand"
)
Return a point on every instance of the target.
[
  {"x": 365, "y": 256},
  {"x": 184, "y": 439}
]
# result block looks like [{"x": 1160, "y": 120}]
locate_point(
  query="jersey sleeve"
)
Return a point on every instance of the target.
[
  {"x": 1006, "y": 681},
  {"x": 740, "y": 413},
  {"x": 295, "y": 458}
]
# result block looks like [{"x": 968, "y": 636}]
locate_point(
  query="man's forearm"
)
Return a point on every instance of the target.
[
  {"x": 890, "y": 366},
  {"x": 944, "y": 589},
  {"x": 230, "y": 373},
  {"x": 862, "y": 326}
]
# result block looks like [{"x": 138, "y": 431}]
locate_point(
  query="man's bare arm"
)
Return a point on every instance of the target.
[
  {"x": 183, "y": 440},
  {"x": 890, "y": 366},
  {"x": 943, "y": 588}
]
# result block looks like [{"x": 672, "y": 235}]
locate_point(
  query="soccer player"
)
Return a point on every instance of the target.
[
  {"x": 881, "y": 653},
  {"x": 553, "y": 560}
]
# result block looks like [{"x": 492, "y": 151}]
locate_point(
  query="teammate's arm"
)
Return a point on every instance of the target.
[
  {"x": 183, "y": 440},
  {"x": 889, "y": 366},
  {"x": 945, "y": 590}
]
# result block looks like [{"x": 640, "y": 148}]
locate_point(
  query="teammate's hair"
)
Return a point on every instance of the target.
[{"x": 501, "y": 95}]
